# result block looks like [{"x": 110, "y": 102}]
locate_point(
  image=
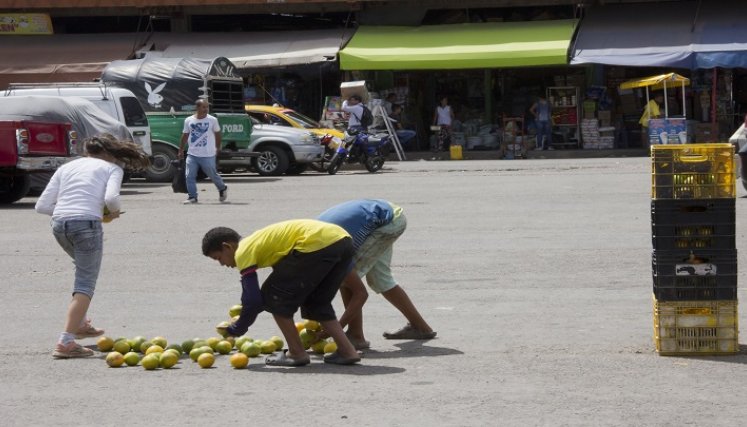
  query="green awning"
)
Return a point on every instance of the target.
[{"x": 459, "y": 46}]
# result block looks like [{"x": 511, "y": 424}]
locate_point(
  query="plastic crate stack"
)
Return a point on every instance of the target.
[{"x": 694, "y": 260}]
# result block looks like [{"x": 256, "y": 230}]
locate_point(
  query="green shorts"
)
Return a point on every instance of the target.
[{"x": 374, "y": 258}]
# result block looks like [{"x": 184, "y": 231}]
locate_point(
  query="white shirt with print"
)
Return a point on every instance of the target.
[{"x": 201, "y": 135}]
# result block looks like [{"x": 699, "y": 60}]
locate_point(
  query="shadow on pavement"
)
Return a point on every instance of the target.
[
  {"x": 317, "y": 366},
  {"x": 133, "y": 192},
  {"x": 230, "y": 179},
  {"x": 411, "y": 349},
  {"x": 18, "y": 205}
]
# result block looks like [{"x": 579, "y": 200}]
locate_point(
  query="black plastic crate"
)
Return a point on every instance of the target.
[
  {"x": 693, "y": 224},
  {"x": 694, "y": 275}
]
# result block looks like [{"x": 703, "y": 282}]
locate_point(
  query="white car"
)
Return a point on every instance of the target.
[{"x": 283, "y": 149}]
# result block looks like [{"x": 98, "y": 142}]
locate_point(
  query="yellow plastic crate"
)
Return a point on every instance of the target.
[
  {"x": 693, "y": 171},
  {"x": 696, "y": 328}
]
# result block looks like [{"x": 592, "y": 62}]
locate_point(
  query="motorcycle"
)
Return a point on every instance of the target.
[
  {"x": 359, "y": 147},
  {"x": 330, "y": 144}
]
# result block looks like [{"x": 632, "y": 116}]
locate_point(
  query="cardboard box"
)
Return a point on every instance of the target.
[
  {"x": 358, "y": 87},
  {"x": 605, "y": 117}
]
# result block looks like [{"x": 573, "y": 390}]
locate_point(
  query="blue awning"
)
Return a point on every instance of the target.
[{"x": 678, "y": 35}]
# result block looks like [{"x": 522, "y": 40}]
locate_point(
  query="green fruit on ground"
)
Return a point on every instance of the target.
[
  {"x": 267, "y": 347},
  {"x": 174, "y": 352},
  {"x": 221, "y": 329},
  {"x": 187, "y": 346},
  {"x": 213, "y": 341},
  {"x": 105, "y": 344},
  {"x": 300, "y": 326},
  {"x": 306, "y": 338},
  {"x": 154, "y": 349},
  {"x": 176, "y": 347},
  {"x": 318, "y": 347},
  {"x": 231, "y": 340},
  {"x": 114, "y": 359},
  {"x": 195, "y": 353},
  {"x": 207, "y": 349},
  {"x": 223, "y": 347},
  {"x": 150, "y": 362},
  {"x": 160, "y": 341},
  {"x": 145, "y": 346},
  {"x": 200, "y": 343},
  {"x": 136, "y": 342},
  {"x": 279, "y": 343},
  {"x": 168, "y": 360},
  {"x": 330, "y": 347},
  {"x": 251, "y": 349},
  {"x": 239, "y": 360},
  {"x": 132, "y": 358},
  {"x": 121, "y": 346},
  {"x": 206, "y": 360},
  {"x": 240, "y": 341},
  {"x": 235, "y": 310}
]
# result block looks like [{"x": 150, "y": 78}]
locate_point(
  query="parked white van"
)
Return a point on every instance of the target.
[{"x": 117, "y": 102}]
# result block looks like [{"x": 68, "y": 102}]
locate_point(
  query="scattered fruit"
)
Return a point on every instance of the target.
[
  {"x": 150, "y": 362},
  {"x": 132, "y": 358},
  {"x": 221, "y": 329},
  {"x": 223, "y": 347},
  {"x": 251, "y": 349},
  {"x": 136, "y": 342},
  {"x": 105, "y": 344},
  {"x": 187, "y": 346},
  {"x": 114, "y": 359},
  {"x": 312, "y": 325},
  {"x": 168, "y": 359},
  {"x": 300, "y": 326},
  {"x": 145, "y": 346},
  {"x": 206, "y": 360},
  {"x": 318, "y": 347},
  {"x": 121, "y": 346},
  {"x": 279, "y": 343},
  {"x": 160, "y": 341},
  {"x": 154, "y": 349},
  {"x": 235, "y": 310},
  {"x": 307, "y": 338},
  {"x": 239, "y": 360},
  {"x": 175, "y": 347},
  {"x": 267, "y": 347},
  {"x": 330, "y": 347},
  {"x": 213, "y": 341}
]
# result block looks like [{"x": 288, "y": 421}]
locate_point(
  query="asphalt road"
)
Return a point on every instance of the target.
[{"x": 536, "y": 275}]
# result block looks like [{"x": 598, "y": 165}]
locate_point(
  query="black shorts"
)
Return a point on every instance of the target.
[{"x": 308, "y": 281}]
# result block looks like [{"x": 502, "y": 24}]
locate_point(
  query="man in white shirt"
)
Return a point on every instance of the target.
[
  {"x": 354, "y": 107},
  {"x": 202, "y": 131}
]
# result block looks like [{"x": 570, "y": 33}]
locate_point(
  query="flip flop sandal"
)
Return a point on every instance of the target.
[
  {"x": 336, "y": 359},
  {"x": 407, "y": 332},
  {"x": 282, "y": 359}
]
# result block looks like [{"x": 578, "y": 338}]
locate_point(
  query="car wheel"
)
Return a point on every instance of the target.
[
  {"x": 14, "y": 188},
  {"x": 297, "y": 169},
  {"x": 272, "y": 161},
  {"x": 161, "y": 168}
]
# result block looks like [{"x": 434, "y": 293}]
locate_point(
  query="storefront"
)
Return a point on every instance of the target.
[
  {"x": 704, "y": 41},
  {"x": 489, "y": 71}
]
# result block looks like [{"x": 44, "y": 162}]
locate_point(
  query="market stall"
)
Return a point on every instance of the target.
[{"x": 665, "y": 130}]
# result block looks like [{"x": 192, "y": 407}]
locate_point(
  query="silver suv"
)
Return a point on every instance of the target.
[{"x": 283, "y": 149}]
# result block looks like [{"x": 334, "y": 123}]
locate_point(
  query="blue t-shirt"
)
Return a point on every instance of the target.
[{"x": 359, "y": 217}]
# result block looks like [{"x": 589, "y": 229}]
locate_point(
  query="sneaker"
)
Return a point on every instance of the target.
[
  {"x": 88, "y": 331},
  {"x": 190, "y": 201},
  {"x": 71, "y": 350},
  {"x": 223, "y": 194}
]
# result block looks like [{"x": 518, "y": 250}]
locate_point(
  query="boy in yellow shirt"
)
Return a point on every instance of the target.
[{"x": 309, "y": 259}]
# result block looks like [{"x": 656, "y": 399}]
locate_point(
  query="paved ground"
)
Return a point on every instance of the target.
[{"x": 536, "y": 275}]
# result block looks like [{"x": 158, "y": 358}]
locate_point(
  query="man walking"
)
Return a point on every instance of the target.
[{"x": 202, "y": 131}]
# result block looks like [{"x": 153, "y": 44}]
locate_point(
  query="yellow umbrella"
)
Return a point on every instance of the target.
[{"x": 659, "y": 82}]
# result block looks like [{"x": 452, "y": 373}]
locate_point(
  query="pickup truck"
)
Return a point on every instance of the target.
[
  {"x": 28, "y": 147},
  {"x": 167, "y": 88}
]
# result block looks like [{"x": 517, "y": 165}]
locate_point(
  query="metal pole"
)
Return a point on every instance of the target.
[
  {"x": 666, "y": 104},
  {"x": 714, "y": 83},
  {"x": 684, "y": 104}
]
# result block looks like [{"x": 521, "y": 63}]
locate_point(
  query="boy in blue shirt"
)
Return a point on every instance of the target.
[{"x": 374, "y": 225}]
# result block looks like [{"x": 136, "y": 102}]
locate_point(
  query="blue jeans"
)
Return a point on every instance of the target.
[
  {"x": 207, "y": 164},
  {"x": 544, "y": 132},
  {"x": 405, "y": 135},
  {"x": 83, "y": 240}
]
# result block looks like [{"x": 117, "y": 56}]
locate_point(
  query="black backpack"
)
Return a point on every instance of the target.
[{"x": 367, "y": 118}]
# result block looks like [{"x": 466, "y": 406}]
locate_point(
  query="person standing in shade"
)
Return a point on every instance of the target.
[
  {"x": 444, "y": 116},
  {"x": 651, "y": 111},
  {"x": 202, "y": 133},
  {"x": 542, "y": 112}
]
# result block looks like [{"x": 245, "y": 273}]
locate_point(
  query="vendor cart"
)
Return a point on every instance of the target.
[{"x": 667, "y": 130}]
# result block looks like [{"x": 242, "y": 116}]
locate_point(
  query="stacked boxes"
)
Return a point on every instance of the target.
[
  {"x": 595, "y": 137},
  {"x": 694, "y": 262}
]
